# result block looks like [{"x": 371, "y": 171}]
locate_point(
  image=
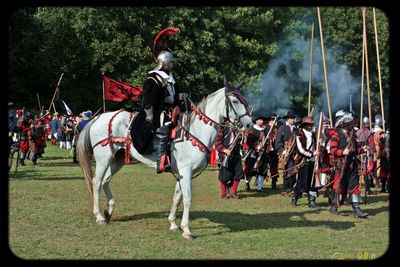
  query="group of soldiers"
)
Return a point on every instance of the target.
[
  {"x": 309, "y": 156},
  {"x": 28, "y": 133}
]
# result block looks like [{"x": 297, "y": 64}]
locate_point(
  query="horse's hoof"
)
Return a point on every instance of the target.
[
  {"x": 102, "y": 222},
  {"x": 188, "y": 237},
  {"x": 107, "y": 216},
  {"x": 174, "y": 227}
]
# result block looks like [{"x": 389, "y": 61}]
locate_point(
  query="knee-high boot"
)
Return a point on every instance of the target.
[{"x": 160, "y": 146}]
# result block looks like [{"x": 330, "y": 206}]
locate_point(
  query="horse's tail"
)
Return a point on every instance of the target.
[{"x": 84, "y": 152}]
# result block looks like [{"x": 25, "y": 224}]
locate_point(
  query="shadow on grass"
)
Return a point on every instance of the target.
[{"x": 238, "y": 222}]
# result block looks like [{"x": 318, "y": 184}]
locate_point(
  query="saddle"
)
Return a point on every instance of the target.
[{"x": 142, "y": 133}]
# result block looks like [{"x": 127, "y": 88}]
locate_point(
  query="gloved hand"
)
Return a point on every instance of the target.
[
  {"x": 182, "y": 95},
  {"x": 149, "y": 114}
]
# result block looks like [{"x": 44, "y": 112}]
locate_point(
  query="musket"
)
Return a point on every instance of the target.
[
  {"x": 264, "y": 143},
  {"x": 316, "y": 169},
  {"x": 293, "y": 167},
  {"x": 231, "y": 147},
  {"x": 344, "y": 161}
]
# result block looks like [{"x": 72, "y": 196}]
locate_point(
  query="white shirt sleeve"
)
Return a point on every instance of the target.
[{"x": 301, "y": 149}]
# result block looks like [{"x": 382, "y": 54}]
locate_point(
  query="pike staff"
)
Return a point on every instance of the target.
[
  {"x": 366, "y": 68},
  {"x": 311, "y": 62},
  {"x": 55, "y": 92},
  {"x": 325, "y": 71},
  {"x": 379, "y": 70},
  {"x": 362, "y": 78}
]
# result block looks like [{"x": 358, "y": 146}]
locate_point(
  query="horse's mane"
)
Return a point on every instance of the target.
[{"x": 202, "y": 105}]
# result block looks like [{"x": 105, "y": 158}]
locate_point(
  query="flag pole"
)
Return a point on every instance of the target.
[
  {"x": 379, "y": 69},
  {"x": 55, "y": 92},
  {"x": 104, "y": 96},
  {"x": 362, "y": 79},
  {"x": 38, "y": 99},
  {"x": 311, "y": 62},
  {"x": 325, "y": 72},
  {"x": 367, "y": 70}
]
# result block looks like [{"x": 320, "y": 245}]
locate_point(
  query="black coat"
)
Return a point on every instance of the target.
[{"x": 283, "y": 135}]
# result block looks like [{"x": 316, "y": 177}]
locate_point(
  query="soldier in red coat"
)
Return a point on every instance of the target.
[
  {"x": 381, "y": 158},
  {"x": 227, "y": 145},
  {"x": 365, "y": 137},
  {"x": 24, "y": 125},
  {"x": 343, "y": 150}
]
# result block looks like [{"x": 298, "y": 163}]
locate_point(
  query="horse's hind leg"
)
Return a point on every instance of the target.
[
  {"x": 175, "y": 203},
  {"x": 115, "y": 167},
  {"x": 110, "y": 201}
]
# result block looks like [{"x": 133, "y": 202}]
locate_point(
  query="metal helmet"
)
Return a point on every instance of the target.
[
  {"x": 378, "y": 120},
  {"x": 365, "y": 120},
  {"x": 165, "y": 60}
]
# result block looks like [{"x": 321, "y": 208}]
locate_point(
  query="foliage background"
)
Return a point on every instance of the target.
[{"x": 236, "y": 42}]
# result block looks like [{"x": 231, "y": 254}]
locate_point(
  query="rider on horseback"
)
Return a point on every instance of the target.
[{"x": 160, "y": 96}]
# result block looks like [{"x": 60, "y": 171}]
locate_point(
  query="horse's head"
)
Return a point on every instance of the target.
[{"x": 237, "y": 109}]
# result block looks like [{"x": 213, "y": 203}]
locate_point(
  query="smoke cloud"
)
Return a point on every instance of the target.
[{"x": 290, "y": 69}]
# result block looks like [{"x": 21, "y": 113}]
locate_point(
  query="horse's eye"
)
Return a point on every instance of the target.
[{"x": 235, "y": 102}]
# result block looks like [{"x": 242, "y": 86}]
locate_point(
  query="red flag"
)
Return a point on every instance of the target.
[{"x": 119, "y": 91}]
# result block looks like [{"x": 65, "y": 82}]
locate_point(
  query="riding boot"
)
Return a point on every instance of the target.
[
  {"x": 273, "y": 183},
  {"x": 160, "y": 146},
  {"x": 294, "y": 200},
  {"x": 311, "y": 201}
]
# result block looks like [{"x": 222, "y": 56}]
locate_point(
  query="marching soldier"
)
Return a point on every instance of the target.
[
  {"x": 24, "y": 124},
  {"x": 272, "y": 155},
  {"x": 305, "y": 150},
  {"x": 343, "y": 148},
  {"x": 285, "y": 142},
  {"x": 160, "y": 96},
  {"x": 381, "y": 170},
  {"x": 227, "y": 144},
  {"x": 255, "y": 138},
  {"x": 365, "y": 138}
]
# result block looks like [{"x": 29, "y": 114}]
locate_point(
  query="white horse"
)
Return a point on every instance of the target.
[{"x": 199, "y": 136}]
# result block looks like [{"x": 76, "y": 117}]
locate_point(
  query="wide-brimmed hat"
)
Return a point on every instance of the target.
[
  {"x": 306, "y": 121},
  {"x": 290, "y": 114},
  {"x": 272, "y": 117},
  {"x": 258, "y": 115}
]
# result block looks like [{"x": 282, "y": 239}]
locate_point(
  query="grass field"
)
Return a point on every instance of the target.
[{"x": 50, "y": 218}]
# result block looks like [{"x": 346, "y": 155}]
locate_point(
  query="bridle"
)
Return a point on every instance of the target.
[{"x": 228, "y": 104}]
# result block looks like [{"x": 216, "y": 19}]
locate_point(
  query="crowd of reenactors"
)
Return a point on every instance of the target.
[
  {"x": 310, "y": 157},
  {"x": 28, "y": 132}
]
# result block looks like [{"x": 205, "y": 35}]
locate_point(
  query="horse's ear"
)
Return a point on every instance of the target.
[
  {"x": 239, "y": 85},
  {"x": 225, "y": 82}
]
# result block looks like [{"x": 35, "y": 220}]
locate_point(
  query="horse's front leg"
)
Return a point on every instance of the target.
[
  {"x": 175, "y": 203},
  {"x": 186, "y": 187},
  {"x": 97, "y": 181}
]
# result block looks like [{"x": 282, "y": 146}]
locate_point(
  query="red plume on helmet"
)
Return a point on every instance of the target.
[{"x": 160, "y": 42}]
